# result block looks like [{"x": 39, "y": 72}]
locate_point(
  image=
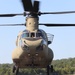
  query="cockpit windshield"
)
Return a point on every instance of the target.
[
  {"x": 32, "y": 34},
  {"x": 25, "y": 35},
  {"x": 38, "y": 34}
]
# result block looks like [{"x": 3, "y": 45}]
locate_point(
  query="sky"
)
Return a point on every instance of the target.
[{"x": 63, "y": 44}]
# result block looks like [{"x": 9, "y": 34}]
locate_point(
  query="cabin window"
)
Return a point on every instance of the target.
[{"x": 24, "y": 35}]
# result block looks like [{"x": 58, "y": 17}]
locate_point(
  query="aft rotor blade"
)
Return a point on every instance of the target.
[
  {"x": 9, "y": 15},
  {"x": 63, "y": 12},
  {"x": 27, "y": 4},
  {"x": 36, "y": 6},
  {"x": 58, "y": 25},
  {"x": 12, "y": 24}
]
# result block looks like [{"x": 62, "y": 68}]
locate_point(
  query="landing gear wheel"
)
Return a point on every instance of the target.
[
  {"x": 49, "y": 69},
  {"x": 15, "y": 70}
]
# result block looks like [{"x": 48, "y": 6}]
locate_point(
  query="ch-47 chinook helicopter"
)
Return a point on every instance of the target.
[{"x": 32, "y": 43}]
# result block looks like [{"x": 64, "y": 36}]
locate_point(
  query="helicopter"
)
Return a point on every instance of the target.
[{"x": 32, "y": 43}]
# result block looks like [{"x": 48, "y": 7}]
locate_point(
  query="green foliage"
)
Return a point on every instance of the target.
[{"x": 63, "y": 66}]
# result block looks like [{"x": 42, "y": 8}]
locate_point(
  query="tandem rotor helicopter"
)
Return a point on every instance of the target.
[{"x": 32, "y": 43}]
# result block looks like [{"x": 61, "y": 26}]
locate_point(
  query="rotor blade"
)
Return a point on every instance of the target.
[
  {"x": 27, "y": 4},
  {"x": 57, "y": 25},
  {"x": 9, "y": 15},
  {"x": 36, "y": 6},
  {"x": 12, "y": 24},
  {"x": 63, "y": 12}
]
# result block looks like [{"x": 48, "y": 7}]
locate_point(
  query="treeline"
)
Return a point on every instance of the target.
[
  {"x": 6, "y": 69},
  {"x": 63, "y": 67}
]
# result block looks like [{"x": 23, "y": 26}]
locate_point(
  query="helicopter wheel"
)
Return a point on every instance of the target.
[
  {"x": 49, "y": 69},
  {"x": 15, "y": 70}
]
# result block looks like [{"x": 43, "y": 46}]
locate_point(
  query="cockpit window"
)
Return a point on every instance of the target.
[
  {"x": 39, "y": 35},
  {"x": 25, "y": 35},
  {"x": 43, "y": 34},
  {"x": 32, "y": 34}
]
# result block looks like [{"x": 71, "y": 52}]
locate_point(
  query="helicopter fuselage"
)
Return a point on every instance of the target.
[
  {"x": 32, "y": 50},
  {"x": 32, "y": 47}
]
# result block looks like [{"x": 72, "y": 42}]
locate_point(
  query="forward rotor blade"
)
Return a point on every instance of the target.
[
  {"x": 9, "y": 15},
  {"x": 12, "y": 24},
  {"x": 27, "y": 4},
  {"x": 58, "y": 25},
  {"x": 63, "y": 12},
  {"x": 36, "y": 6}
]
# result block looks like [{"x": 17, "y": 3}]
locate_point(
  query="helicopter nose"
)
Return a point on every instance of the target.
[
  {"x": 25, "y": 47},
  {"x": 32, "y": 44}
]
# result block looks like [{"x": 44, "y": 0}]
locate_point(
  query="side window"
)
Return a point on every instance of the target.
[{"x": 44, "y": 35}]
